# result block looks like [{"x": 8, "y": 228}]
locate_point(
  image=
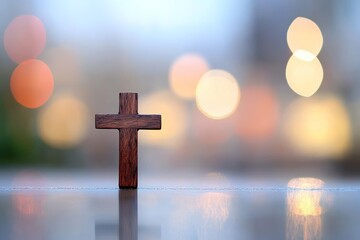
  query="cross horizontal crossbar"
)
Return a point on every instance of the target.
[{"x": 118, "y": 121}]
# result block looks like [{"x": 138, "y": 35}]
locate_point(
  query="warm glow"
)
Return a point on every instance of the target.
[
  {"x": 304, "y": 208},
  {"x": 63, "y": 123},
  {"x": 304, "y": 77},
  {"x": 304, "y": 196},
  {"x": 173, "y": 113},
  {"x": 28, "y": 203},
  {"x": 258, "y": 113},
  {"x": 318, "y": 127},
  {"x": 24, "y": 38},
  {"x": 217, "y": 94},
  {"x": 32, "y": 83},
  {"x": 304, "y": 38},
  {"x": 215, "y": 206},
  {"x": 185, "y": 73},
  {"x": 304, "y": 55}
]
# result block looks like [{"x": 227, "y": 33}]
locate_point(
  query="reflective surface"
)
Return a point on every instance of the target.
[{"x": 326, "y": 210}]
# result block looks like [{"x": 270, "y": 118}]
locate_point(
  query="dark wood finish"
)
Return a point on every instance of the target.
[
  {"x": 128, "y": 122},
  {"x": 113, "y": 121},
  {"x": 128, "y": 158}
]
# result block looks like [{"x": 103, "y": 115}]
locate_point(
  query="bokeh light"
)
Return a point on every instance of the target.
[
  {"x": 258, "y": 114},
  {"x": 174, "y": 121},
  {"x": 318, "y": 127},
  {"x": 185, "y": 73},
  {"x": 304, "y": 77},
  {"x": 32, "y": 83},
  {"x": 217, "y": 94},
  {"x": 63, "y": 123},
  {"x": 24, "y": 38},
  {"x": 304, "y": 38}
]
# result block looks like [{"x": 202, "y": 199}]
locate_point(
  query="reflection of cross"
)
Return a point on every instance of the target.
[{"x": 128, "y": 122}]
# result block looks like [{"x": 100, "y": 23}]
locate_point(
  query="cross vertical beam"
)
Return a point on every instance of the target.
[
  {"x": 128, "y": 143},
  {"x": 128, "y": 122}
]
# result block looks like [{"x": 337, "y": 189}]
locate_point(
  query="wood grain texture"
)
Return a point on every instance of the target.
[
  {"x": 116, "y": 121},
  {"x": 128, "y": 144},
  {"x": 128, "y": 122},
  {"x": 128, "y": 158},
  {"x": 128, "y": 103}
]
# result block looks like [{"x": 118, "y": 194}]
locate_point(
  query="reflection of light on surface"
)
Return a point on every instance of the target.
[
  {"x": 28, "y": 203},
  {"x": 185, "y": 73},
  {"x": 304, "y": 208},
  {"x": 173, "y": 114},
  {"x": 302, "y": 198},
  {"x": 304, "y": 38},
  {"x": 24, "y": 38},
  {"x": 258, "y": 113},
  {"x": 32, "y": 83},
  {"x": 215, "y": 206},
  {"x": 63, "y": 123},
  {"x": 318, "y": 127},
  {"x": 304, "y": 77},
  {"x": 217, "y": 94}
]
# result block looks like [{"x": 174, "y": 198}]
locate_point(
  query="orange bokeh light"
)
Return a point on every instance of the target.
[
  {"x": 32, "y": 83},
  {"x": 185, "y": 73},
  {"x": 257, "y": 115},
  {"x": 24, "y": 38}
]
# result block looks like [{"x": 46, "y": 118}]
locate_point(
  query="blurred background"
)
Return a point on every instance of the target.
[{"x": 242, "y": 86}]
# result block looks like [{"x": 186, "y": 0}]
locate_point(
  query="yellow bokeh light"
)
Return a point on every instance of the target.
[
  {"x": 304, "y": 77},
  {"x": 318, "y": 127},
  {"x": 304, "y": 38},
  {"x": 304, "y": 55},
  {"x": 173, "y": 113},
  {"x": 217, "y": 94},
  {"x": 63, "y": 123},
  {"x": 185, "y": 73}
]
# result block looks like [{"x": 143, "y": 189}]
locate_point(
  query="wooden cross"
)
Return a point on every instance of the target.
[{"x": 128, "y": 122}]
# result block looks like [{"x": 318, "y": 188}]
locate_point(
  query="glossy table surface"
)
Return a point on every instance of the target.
[{"x": 89, "y": 206}]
